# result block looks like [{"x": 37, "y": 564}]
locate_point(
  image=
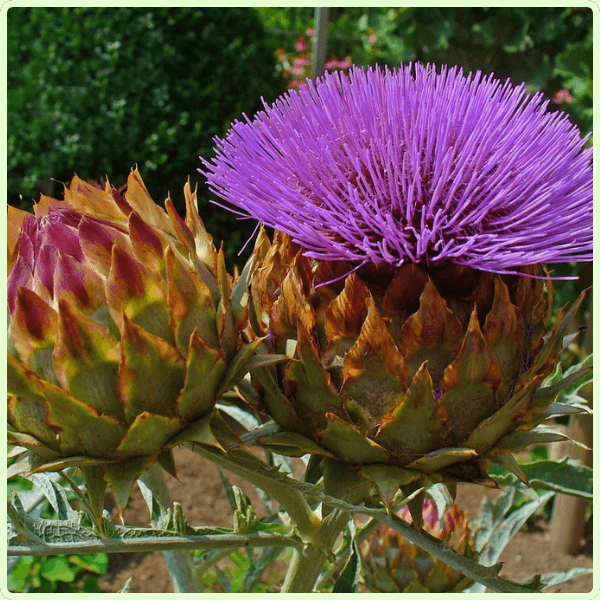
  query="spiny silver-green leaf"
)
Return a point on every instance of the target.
[
  {"x": 49, "y": 484},
  {"x": 566, "y": 476},
  {"x": 558, "y": 577}
]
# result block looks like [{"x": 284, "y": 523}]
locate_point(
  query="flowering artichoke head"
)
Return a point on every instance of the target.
[
  {"x": 414, "y": 211},
  {"x": 124, "y": 330}
]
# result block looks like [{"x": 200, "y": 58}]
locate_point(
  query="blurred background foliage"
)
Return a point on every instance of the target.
[{"x": 94, "y": 91}]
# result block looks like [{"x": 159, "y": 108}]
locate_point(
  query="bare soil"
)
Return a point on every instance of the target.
[{"x": 203, "y": 499}]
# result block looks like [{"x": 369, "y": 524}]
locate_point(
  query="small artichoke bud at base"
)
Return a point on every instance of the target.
[
  {"x": 124, "y": 330},
  {"x": 390, "y": 563}
]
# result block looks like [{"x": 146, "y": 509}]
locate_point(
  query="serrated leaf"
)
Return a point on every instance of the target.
[
  {"x": 49, "y": 484},
  {"x": 63, "y": 463},
  {"x": 199, "y": 432},
  {"x": 566, "y": 476},
  {"x": 95, "y": 563},
  {"x": 521, "y": 439},
  {"x": 506, "y": 530},
  {"x": 54, "y": 531},
  {"x": 490, "y": 515},
  {"x": 158, "y": 515},
  {"x": 558, "y": 577}
]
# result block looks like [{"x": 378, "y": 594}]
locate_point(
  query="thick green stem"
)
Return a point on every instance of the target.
[
  {"x": 179, "y": 562},
  {"x": 306, "y": 565}
]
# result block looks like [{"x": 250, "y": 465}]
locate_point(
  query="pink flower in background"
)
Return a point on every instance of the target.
[
  {"x": 338, "y": 64},
  {"x": 301, "y": 61},
  {"x": 562, "y": 96},
  {"x": 297, "y": 83},
  {"x": 300, "y": 44}
]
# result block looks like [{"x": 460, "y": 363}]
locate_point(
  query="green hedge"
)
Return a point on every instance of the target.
[{"x": 94, "y": 91}]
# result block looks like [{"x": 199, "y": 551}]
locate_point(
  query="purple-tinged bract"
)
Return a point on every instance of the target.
[{"x": 416, "y": 165}]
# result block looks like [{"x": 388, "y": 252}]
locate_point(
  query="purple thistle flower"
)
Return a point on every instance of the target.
[{"x": 412, "y": 165}]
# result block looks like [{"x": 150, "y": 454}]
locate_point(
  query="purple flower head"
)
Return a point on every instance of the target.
[{"x": 413, "y": 165}]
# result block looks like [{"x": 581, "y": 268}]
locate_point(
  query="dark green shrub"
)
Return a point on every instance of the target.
[{"x": 94, "y": 91}]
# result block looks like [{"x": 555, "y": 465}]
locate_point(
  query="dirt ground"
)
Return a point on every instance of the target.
[{"x": 204, "y": 502}]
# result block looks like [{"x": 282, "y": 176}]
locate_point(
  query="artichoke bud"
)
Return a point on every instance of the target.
[
  {"x": 430, "y": 371},
  {"x": 390, "y": 563},
  {"x": 124, "y": 330}
]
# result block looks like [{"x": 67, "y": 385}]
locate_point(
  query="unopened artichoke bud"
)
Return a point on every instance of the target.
[
  {"x": 124, "y": 330},
  {"x": 414, "y": 211},
  {"x": 390, "y": 563}
]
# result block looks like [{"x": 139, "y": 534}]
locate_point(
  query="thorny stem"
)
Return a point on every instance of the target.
[{"x": 227, "y": 542}]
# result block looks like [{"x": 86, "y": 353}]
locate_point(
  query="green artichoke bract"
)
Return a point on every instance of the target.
[
  {"x": 390, "y": 563},
  {"x": 124, "y": 330},
  {"x": 404, "y": 376}
]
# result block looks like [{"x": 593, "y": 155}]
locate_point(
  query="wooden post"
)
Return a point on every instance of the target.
[
  {"x": 568, "y": 518},
  {"x": 320, "y": 45}
]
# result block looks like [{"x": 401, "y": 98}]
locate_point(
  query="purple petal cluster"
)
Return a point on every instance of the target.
[
  {"x": 413, "y": 165},
  {"x": 49, "y": 255}
]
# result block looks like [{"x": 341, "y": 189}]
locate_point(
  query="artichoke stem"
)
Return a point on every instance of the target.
[
  {"x": 308, "y": 563},
  {"x": 251, "y": 469},
  {"x": 179, "y": 562}
]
